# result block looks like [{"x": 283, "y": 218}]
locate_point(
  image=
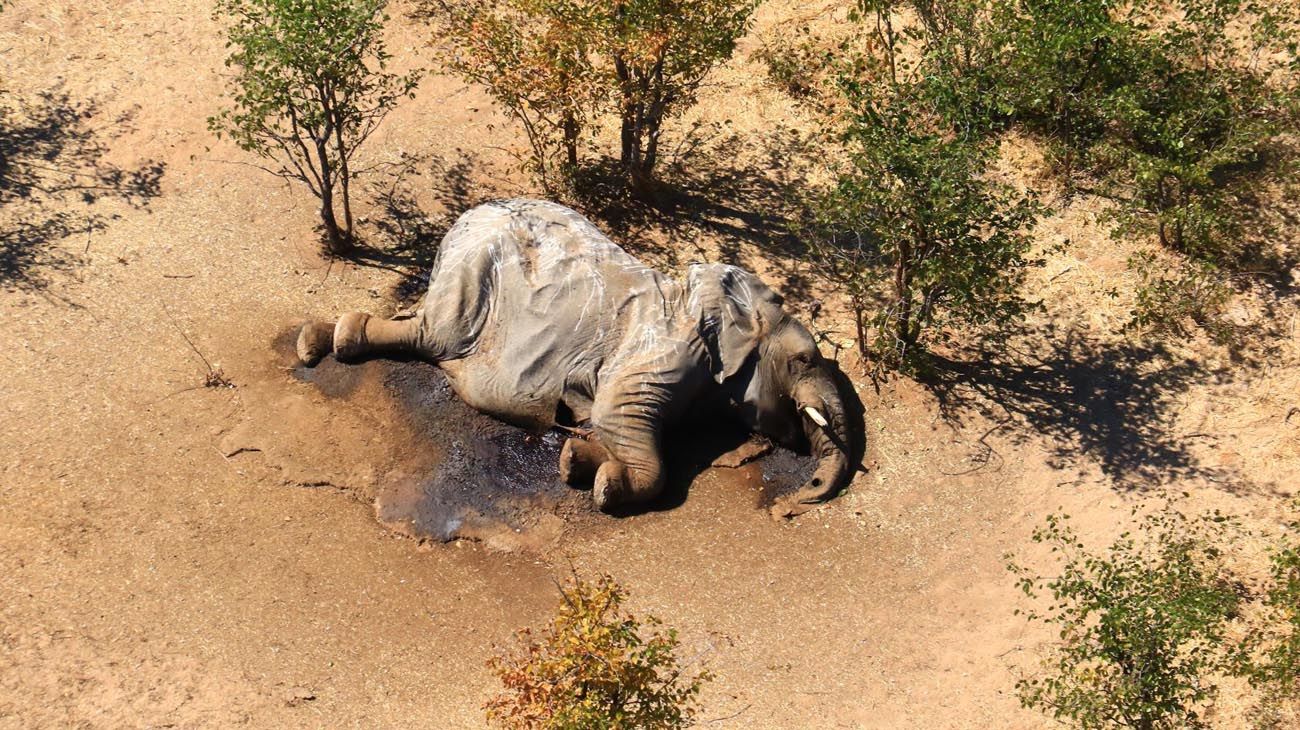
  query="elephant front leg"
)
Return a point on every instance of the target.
[
  {"x": 580, "y": 459},
  {"x": 633, "y": 473},
  {"x": 619, "y": 485}
]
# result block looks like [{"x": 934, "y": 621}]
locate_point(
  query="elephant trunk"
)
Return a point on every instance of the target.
[{"x": 821, "y": 410}]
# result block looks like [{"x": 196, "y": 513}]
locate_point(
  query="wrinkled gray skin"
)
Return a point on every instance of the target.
[{"x": 538, "y": 318}]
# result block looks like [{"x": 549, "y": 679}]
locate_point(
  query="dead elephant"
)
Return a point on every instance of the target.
[{"x": 538, "y": 319}]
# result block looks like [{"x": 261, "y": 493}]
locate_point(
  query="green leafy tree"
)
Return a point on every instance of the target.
[
  {"x": 1199, "y": 123},
  {"x": 309, "y": 87},
  {"x": 1141, "y": 624},
  {"x": 560, "y": 66},
  {"x": 595, "y": 666},
  {"x": 914, "y": 226},
  {"x": 962, "y": 41},
  {"x": 1181, "y": 111},
  {"x": 1062, "y": 60}
]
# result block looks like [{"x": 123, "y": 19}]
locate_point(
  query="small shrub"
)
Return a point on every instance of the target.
[
  {"x": 794, "y": 67},
  {"x": 1198, "y": 123},
  {"x": 660, "y": 51},
  {"x": 1180, "y": 111},
  {"x": 535, "y": 58},
  {"x": 309, "y": 88},
  {"x": 1141, "y": 625},
  {"x": 1063, "y": 58},
  {"x": 596, "y": 666},
  {"x": 560, "y": 65},
  {"x": 1269, "y": 656},
  {"x": 1169, "y": 299}
]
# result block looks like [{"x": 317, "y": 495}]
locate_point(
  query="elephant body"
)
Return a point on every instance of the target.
[
  {"x": 582, "y": 314},
  {"x": 540, "y": 320}
]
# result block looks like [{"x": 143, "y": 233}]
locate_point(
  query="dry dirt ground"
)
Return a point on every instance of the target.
[{"x": 181, "y": 556}]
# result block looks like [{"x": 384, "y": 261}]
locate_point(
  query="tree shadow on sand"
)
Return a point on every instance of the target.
[
  {"x": 51, "y": 174},
  {"x": 406, "y": 237},
  {"x": 1111, "y": 404},
  {"x": 723, "y": 187},
  {"x": 731, "y": 189}
]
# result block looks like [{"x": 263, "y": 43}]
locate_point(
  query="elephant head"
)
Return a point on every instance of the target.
[{"x": 771, "y": 369}]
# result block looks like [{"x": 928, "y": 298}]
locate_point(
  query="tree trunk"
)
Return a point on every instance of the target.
[
  {"x": 638, "y": 161},
  {"x": 860, "y": 323},
  {"x": 347, "y": 208},
  {"x": 903, "y": 292},
  {"x": 630, "y": 152},
  {"x": 570, "y": 126},
  {"x": 336, "y": 241},
  {"x": 1160, "y": 207},
  {"x": 627, "y": 104},
  {"x": 345, "y": 180},
  {"x": 646, "y": 170}
]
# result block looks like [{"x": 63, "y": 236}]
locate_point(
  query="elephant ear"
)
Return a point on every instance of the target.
[{"x": 737, "y": 312}]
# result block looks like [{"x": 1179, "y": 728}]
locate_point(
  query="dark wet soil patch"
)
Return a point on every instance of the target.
[
  {"x": 331, "y": 377},
  {"x": 481, "y": 475},
  {"x": 784, "y": 471},
  {"x": 692, "y": 448},
  {"x": 457, "y": 473}
]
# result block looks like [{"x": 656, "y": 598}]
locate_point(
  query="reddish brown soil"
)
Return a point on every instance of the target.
[{"x": 174, "y": 555}]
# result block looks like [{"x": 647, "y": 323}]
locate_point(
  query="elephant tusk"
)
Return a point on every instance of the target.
[
  {"x": 816, "y": 416},
  {"x": 821, "y": 422}
]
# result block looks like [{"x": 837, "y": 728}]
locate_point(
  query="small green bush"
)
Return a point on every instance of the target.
[
  {"x": 1198, "y": 123},
  {"x": 1181, "y": 112},
  {"x": 793, "y": 66},
  {"x": 596, "y": 666},
  {"x": 1191, "y": 292},
  {"x": 1062, "y": 60},
  {"x": 1141, "y": 624},
  {"x": 1269, "y": 656}
]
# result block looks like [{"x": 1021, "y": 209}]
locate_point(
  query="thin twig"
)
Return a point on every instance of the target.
[
  {"x": 737, "y": 713},
  {"x": 185, "y": 337},
  {"x": 214, "y": 378}
]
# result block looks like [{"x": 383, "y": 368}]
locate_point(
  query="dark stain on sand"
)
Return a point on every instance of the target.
[{"x": 463, "y": 474}]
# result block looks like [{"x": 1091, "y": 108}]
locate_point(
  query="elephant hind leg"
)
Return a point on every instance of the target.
[{"x": 358, "y": 335}]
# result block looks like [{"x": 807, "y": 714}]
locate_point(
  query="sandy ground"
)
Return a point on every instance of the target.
[{"x": 180, "y": 556}]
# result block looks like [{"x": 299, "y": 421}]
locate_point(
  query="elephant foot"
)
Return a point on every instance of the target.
[
  {"x": 610, "y": 488},
  {"x": 315, "y": 341},
  {"x": 790, "y": 507},
  {"x": 349, "y": 337},
  {"x": 579, "y": 461}
]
